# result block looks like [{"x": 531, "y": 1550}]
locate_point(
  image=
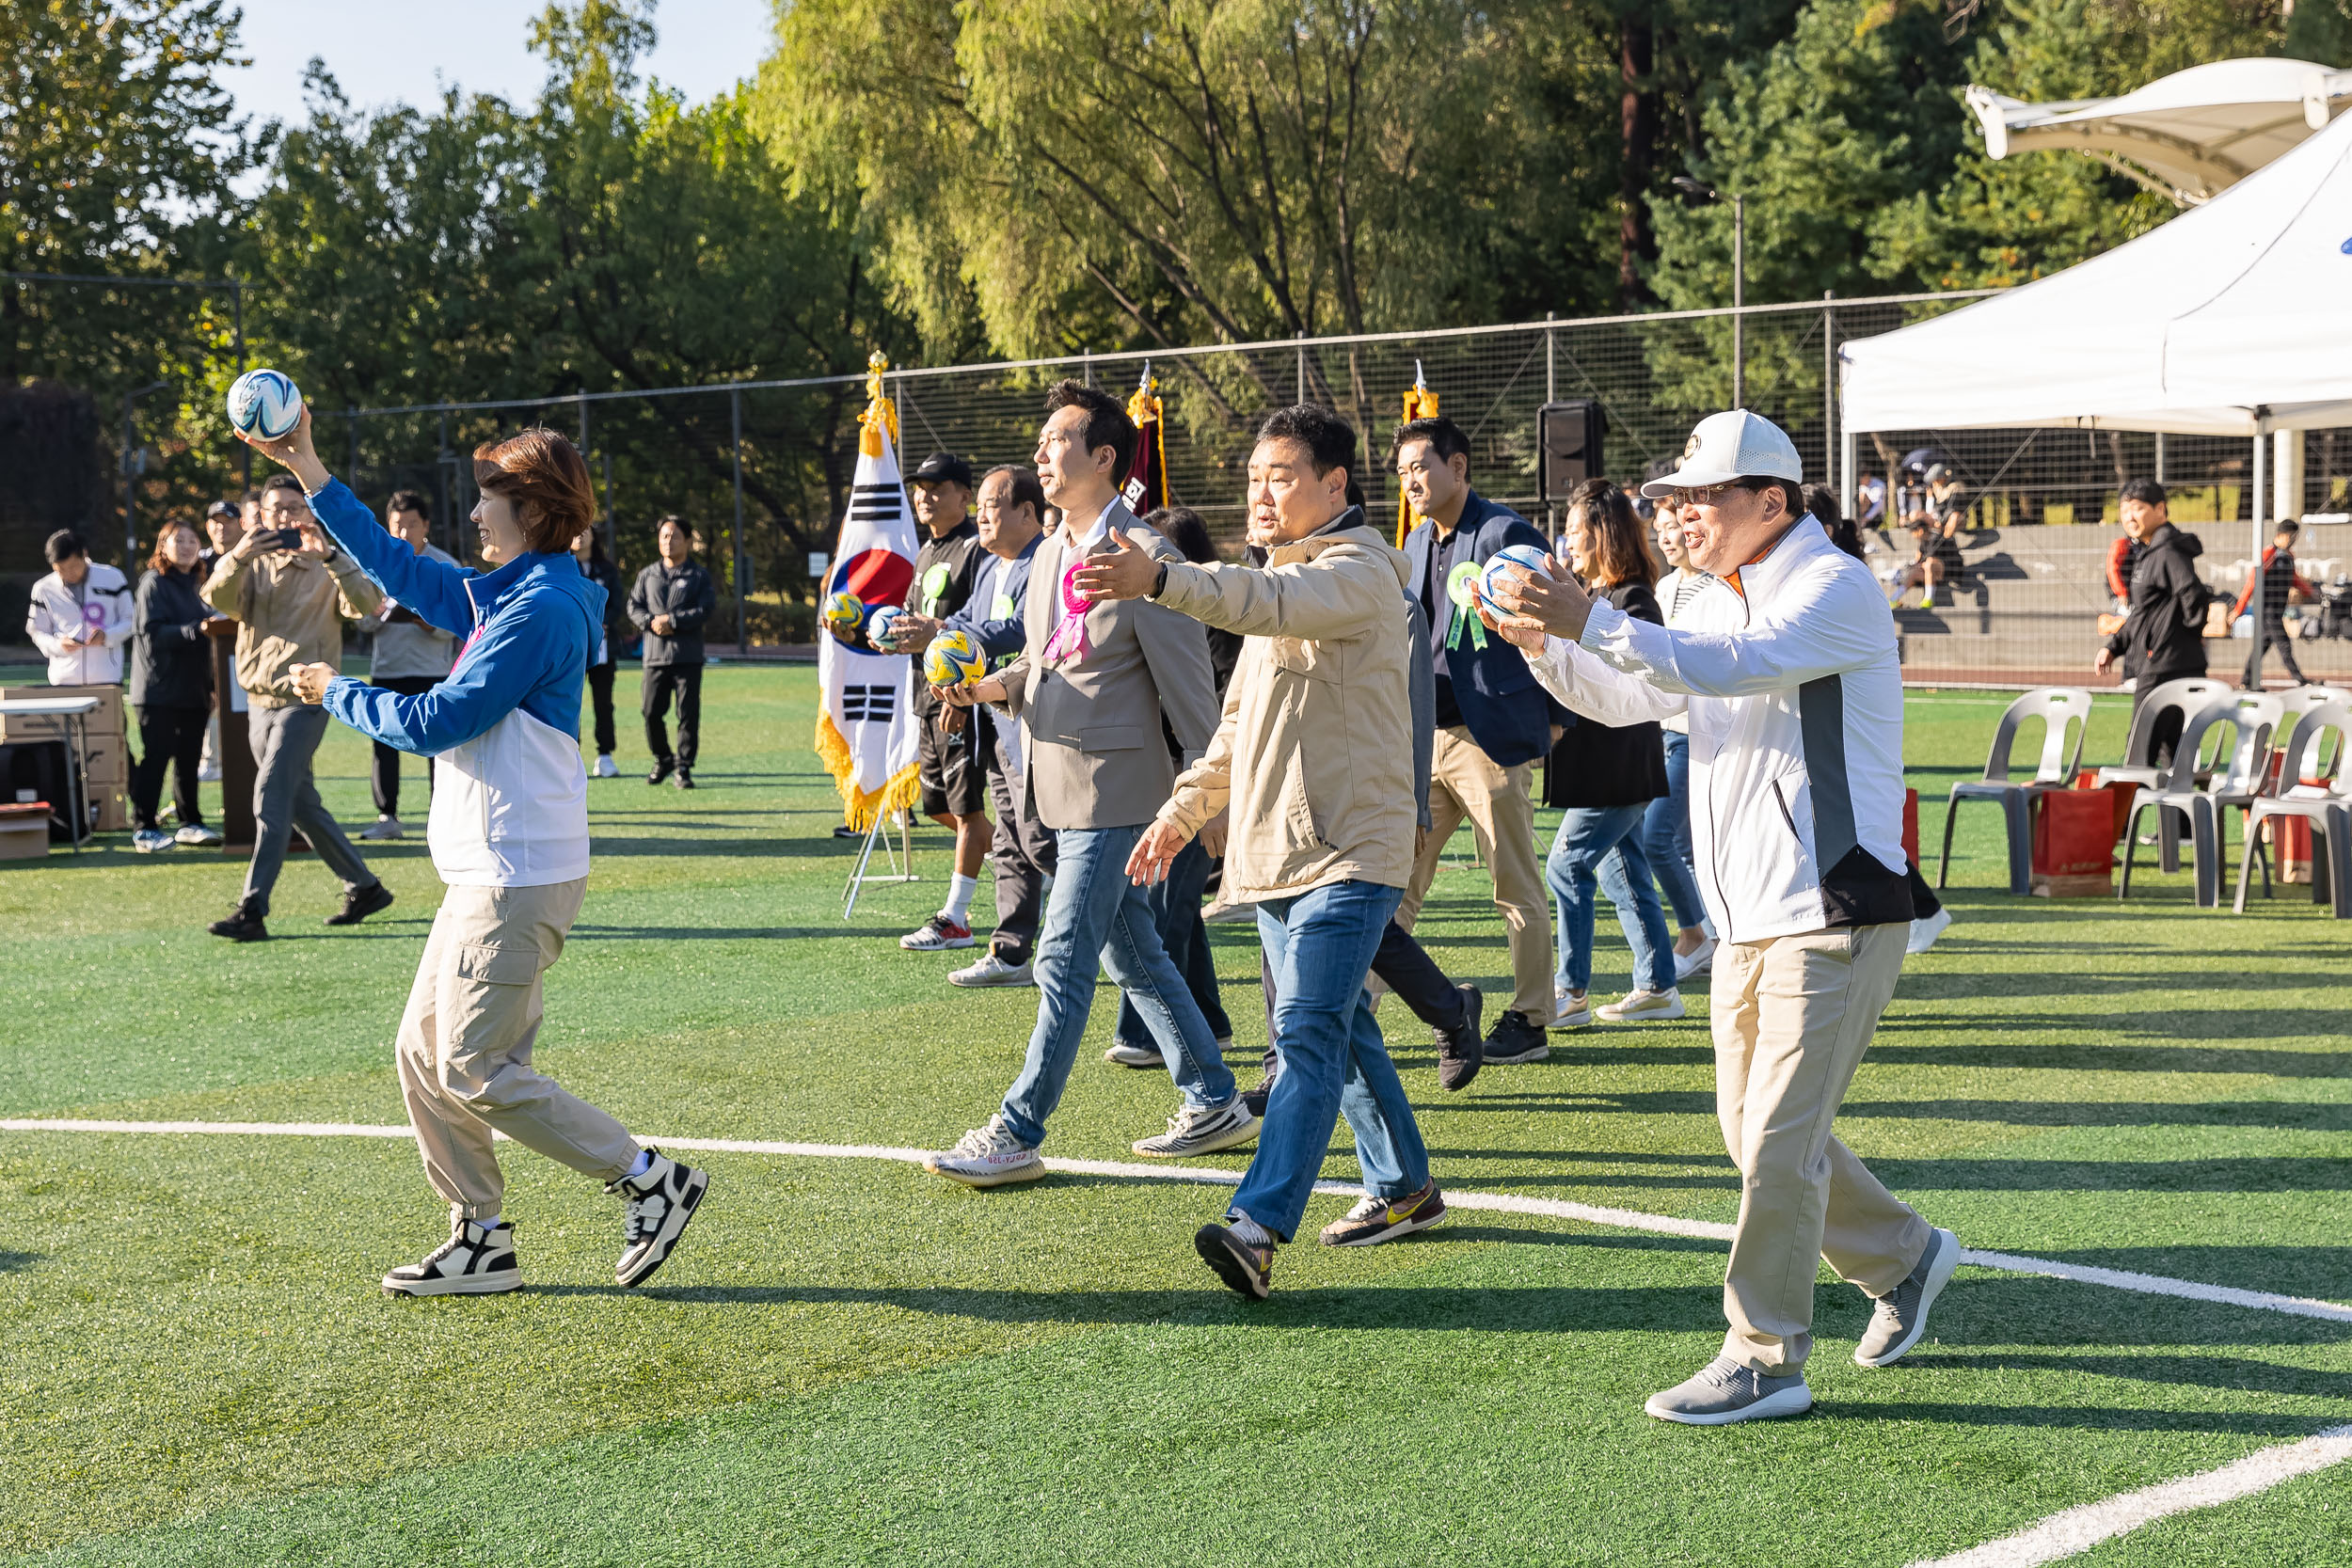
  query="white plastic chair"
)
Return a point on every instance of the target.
[
  {"x": 2059, "y": 708},
  {"x": 2239, "y": 782},
  {"x": 2327, "y": 807}
]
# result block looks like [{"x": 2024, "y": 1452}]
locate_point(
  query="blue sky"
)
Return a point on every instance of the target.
[{"x": 392, "y": 51}]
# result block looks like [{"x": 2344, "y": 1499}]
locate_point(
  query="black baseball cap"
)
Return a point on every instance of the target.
[
  {"x": 940, "y": 466},
  {"x": 221, "y": 508}
]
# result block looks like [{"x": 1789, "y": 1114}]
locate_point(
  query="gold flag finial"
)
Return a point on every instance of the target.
[
  {"x": 881, "y": 413},
  {"x": 1420, "y": 403}
]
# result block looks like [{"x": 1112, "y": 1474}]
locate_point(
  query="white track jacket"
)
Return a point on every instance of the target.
[
  {"x": 107, "y": 605},
  {"x": 1789, "y": 679}
]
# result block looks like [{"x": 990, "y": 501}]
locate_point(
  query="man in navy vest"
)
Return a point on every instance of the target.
[{"x": 1493, "y": 721}]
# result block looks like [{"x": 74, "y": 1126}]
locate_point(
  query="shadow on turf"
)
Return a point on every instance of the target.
[
  {"x": 2237, "y": 1373},
  {"x": 16, "y": 1262}
]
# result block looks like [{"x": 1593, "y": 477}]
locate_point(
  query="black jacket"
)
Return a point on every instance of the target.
[
  {"x": 616, "y": 623},
  {"x": 945, "y": 571},
  {"x": 687, "y": 597},
  {"x": 1600, "y": 765},
  {"x": 171, "y": 666},
  {"x": 2164, "y": 628}
]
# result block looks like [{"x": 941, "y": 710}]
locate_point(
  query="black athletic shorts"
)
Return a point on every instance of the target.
[{"x": 952, "y": 784}]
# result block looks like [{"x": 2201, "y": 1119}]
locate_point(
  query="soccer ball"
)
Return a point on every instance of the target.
[
  {"x": 883, "y": 630},
  {"x": 1490, "y": 577},
  {"x": 266, "y": 404},
  {"x": 845, "y": 613},
  {"x": 953, "y": 659}
]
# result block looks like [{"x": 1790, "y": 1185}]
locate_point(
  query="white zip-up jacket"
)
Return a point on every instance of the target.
[
  {"x": 1788, "y": 676},
  {"x": 107, "y": 605}
]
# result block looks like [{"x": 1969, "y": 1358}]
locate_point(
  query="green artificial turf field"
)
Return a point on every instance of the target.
[{"x": 849, "y": 1361}]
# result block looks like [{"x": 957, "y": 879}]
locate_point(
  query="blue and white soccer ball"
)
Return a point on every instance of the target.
[
  {"x": 882, "y": 628},
  {"x": 266, "y": 404},
  {"x": 1491, "y": 578}
]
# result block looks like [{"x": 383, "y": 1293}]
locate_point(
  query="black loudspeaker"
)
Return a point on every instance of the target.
[
  {"x": 41, "y": 770},
  {"x": 1567, "y": 435}
]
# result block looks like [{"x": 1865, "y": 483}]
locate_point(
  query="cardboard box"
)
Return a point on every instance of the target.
[
  {"x": 23, "y": 830},
  {"x": 106, "y": 720}
]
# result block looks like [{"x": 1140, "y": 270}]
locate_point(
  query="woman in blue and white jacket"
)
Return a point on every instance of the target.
[{"x": 509, "y": 835}]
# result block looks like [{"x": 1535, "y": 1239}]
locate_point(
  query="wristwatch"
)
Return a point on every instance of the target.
[{"x": 1159, "y": 582}]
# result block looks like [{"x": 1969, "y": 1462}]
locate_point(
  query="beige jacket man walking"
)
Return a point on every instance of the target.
[{"x": 1794, "y": 699}]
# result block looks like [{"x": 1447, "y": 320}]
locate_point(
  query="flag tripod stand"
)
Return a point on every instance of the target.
[{"x": 899, "y": 857}]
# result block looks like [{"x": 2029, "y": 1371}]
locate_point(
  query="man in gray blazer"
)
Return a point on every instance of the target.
[{"x": 1091, "y": 687}]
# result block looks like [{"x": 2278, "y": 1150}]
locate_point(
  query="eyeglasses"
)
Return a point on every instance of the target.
[{"x": 1704, "y": 496}]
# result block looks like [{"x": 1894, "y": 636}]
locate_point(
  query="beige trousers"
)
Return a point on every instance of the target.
[
  {"x": 1793, "y": 1017},
  {"x": 464, "y": 1047},
  {"x": 1464, "y": 782}
]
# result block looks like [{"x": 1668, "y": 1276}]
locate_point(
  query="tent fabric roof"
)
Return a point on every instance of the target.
[
  {"x": 2232, "y": 319},
  {"x": 2191, "y": 134}
]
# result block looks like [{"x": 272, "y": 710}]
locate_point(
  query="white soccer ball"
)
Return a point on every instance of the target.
[
  {"x": 266, "y": 404},
  {"x": 1491, "y": 578}
]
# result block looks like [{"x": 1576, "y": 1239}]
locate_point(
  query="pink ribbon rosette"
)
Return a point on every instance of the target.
[{"x": 1068, "y": 643}]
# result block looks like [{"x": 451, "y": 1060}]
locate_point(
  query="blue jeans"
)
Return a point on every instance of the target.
[
  {"x": 1603, "y": 843},
  {"x": 1176, "y": 905},
  {"x": 1666, "y": 835},
  {"x": 1334, "y": 1064},
  {"x": 1097, "y": 920}
]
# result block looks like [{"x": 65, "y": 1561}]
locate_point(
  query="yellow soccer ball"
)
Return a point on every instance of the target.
[
  {"x": 954, "y": 659},
  {"x": 845, "y": 613}
]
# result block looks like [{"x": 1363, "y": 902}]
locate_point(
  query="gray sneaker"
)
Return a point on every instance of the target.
[
  {"x": 1724, "y": 1391},
  {"x": 1902, "y": 1314}
]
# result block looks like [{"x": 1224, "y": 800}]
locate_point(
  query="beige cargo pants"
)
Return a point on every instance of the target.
[
  {"x": 464, "y": 1047},
  {"x": 1500, "y": 803},
  {"x": 1793, "y": 1017}
]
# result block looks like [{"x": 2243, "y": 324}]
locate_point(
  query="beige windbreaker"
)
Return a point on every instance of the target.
[
  {"x": 291, "y": 608},
  {"x": 1314, "y": 752}
]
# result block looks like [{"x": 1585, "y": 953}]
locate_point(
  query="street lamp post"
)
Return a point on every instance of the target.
[
  {"x": 1691, "y": 187},
  {"x": 133, "y": 465}
]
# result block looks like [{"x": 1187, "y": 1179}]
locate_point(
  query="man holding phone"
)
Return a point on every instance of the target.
[
  {"x": 291, "y": 590},
  {"x": 409, "y": 657}
]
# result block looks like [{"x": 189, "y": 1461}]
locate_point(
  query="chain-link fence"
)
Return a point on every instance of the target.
[{"x": 762, "y": 469}]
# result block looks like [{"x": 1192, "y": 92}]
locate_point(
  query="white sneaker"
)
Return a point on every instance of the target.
[
  {"x": 1200, "y": 1130},
  {"x": 1122, "y": 1054},
  {"x": 993, "y": 971},
  {"x": 473, "y": 1263},
  {"x": 1224, "y": 914},
  {"x": 148, "y": 840},
  {"x": 197, "y": 833},
  {"x": 1924, "y": 932},
  {"x": 1697, "y": 962},
  {"x": 1641, "y": 1006},
  {"x": 988, "y": 1156},
  {"x": 606, "y": 767},
  {"x": 382, "y": 827},
  {"x": 1571, "y": 1009},
  {"x": 937, "y": 934},
  {"x": 207, "y": 773}
]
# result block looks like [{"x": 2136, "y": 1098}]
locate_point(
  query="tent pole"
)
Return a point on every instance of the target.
[{"x": 2262, "y": 497}]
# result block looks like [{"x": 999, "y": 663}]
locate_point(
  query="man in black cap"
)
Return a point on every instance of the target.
[{"x": 955, "y": 786}]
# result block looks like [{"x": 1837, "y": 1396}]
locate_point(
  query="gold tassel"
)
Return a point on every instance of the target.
[
  {"x": 879, "y": 410},
  {"x": 1420, "y": 403}
]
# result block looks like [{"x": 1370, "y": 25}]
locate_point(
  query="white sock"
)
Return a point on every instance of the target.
[
  {"x": 960, "y": 891},
  {"x": 1250, "y": 1232},
  {"x": 644, "y": 1163}
]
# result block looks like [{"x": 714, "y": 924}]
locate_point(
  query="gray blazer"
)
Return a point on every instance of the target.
[{"x": 1093, "y": 754}]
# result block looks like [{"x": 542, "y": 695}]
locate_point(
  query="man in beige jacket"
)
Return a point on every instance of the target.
[
  {"x": 1313, "y": 758},
  {"x": 290, "y": 600}
]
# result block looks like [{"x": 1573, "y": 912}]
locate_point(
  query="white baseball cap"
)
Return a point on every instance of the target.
[{"x": 1735, "y": 444}]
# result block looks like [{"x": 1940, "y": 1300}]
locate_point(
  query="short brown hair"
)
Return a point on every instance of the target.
[
  {"x": 1620, "y": 545},
  {"x": 545, "y": 476},
  {"x": 156, "y": 560}
]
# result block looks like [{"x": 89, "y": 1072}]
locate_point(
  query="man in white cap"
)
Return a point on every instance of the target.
[{"x": 1794, "y": 699}]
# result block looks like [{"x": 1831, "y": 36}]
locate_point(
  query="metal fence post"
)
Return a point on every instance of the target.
[
  {"x": 1829, "y": 389},
  {"x": 441, "y": 481},
  {"x": 2261, "y": 501},
  {"x": 612, "y": 544},
  {"x": 1739, "y": 301},
  {"x": 1302, "y": 367},
  {"x": 743, "y": 636},
  {"x": 351, "y": 444},
  {"x": 1551, "y": 394}
]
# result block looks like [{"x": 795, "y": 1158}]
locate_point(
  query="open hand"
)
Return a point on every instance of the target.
[
  {"x": 1557, "y": 605},
  {"x": 293, "y": 449},
  {"x": 1156, "y": 851},
  {"x": 1125, "y": 570},
  {"x": 1523, "y": 632},
  {"x": 2101, "y": 663}
]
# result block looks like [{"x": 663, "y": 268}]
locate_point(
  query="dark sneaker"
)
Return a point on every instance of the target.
[
  {"x": 1247, "y": 1267},
  {"x": 240, "y": 926},
  {"x": 1460, "y": 1052},
  {"x": 1725, "y": 1392},
  {"x": 662, "y": 1202},
  {"x": 1374, "y": 1220},
  {"x": 1516, "y": 1037},
  {"x": 662, "y": 768},
  {"x": 358, "y": 906},
  {"x": 473, "y": 1263},
  {"x": 1902, "y": 1314},
  {"x": 1254, "y": 1100},
  {"x": 685, "y": 779}
]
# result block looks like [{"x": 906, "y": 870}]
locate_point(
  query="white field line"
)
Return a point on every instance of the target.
[
  {"x": 1621, "y": 1219},
  {"x": 2079, "y": 1530}
]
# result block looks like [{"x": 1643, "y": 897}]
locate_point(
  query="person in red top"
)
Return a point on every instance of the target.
[
  {"x": 2123, "y": 556},
  {"x": 2278, "y": 578}
]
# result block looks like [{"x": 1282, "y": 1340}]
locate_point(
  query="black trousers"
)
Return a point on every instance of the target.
[
  {"x": 600, "y": 698},
  {"x": 2275, "y": 640},
  {"x": 384, "y": 765},
  {"x": 168, "y": 737},
  {"x": 687, "y": 681},
  {"x": 1024, "y": 855},
  {"x": 1401, "y": 964}
]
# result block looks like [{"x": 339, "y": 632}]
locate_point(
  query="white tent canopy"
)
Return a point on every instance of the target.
[
  {"x": 2190, "y": 136},
  {"x": 2233, "y": 319}
]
